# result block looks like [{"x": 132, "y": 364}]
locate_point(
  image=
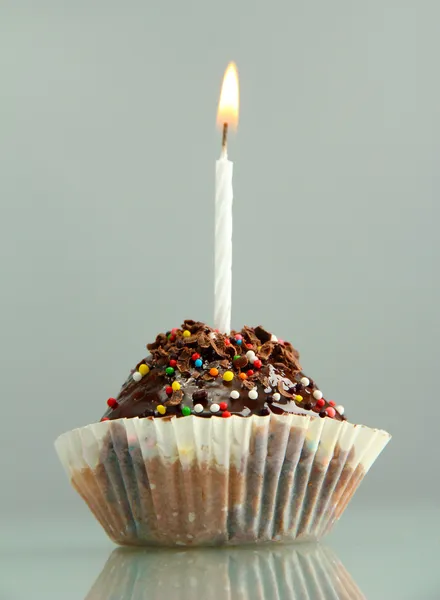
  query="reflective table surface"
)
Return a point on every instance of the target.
[{"x": 390, "y": 554}]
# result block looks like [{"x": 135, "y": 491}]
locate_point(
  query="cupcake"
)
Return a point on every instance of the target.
[
  {"x": 219, "y": 440},
  {"x": 304, "y": 572}
]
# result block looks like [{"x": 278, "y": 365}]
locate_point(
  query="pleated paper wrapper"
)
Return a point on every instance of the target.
[
  {"x": 305, "y": 572},
  {"x": 192, "y": 481}
]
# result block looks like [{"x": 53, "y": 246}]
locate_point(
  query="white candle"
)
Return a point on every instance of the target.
[
  {"x": 223, "y": 245},
  {"x": 227, "y": 117}
]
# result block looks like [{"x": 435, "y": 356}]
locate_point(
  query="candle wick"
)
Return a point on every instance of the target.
[{"x": 225, "y": 141}]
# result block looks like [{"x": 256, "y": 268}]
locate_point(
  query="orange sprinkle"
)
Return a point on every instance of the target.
[
  {"x": 213, "y": 372},
  {"x": 243, "y": 376}
]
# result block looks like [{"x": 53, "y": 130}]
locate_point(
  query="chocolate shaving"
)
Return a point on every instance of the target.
[
  {"x": 193, "y": 326},
  {"x": 219, "y": 347},
  {"x": 283, "y": 391},
  {"x": 241, "y": 362},
  {"x": 204, "y": 340},
  {"x": 262, "y": 334},
  {"x": 249, "y": 334},
  {"x": 200, "y": 396},
  {"x": 175, "y": 399},
  {"x": 225, "y": 363},
  {"x": 183, "y": 364},
  {"x": 266, "y": 350},
  {"x": 249, "y": 384},
  {"x": 207, "y": 376}
]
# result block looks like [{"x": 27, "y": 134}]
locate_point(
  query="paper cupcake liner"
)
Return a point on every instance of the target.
[
  {"x": 194, "y": 481},
  {"x": 306, "y": 572}
]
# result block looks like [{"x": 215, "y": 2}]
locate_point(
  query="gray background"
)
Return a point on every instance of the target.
[{"x": 107, "y": 152}]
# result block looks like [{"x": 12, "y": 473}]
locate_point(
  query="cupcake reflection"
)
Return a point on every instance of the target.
[{"x": 304, "y": 572}]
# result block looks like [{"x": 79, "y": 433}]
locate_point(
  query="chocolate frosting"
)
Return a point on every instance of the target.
[{"x": 196, "y": 370}]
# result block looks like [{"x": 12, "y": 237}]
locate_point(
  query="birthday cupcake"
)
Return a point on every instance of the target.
[{"x": 219, "y": 440}]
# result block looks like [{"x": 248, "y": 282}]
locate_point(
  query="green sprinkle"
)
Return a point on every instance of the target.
[
  {"x": 186, "y": 411},
  {"x": 169, "y": 371},
  {"x": 236, "y": 356}
]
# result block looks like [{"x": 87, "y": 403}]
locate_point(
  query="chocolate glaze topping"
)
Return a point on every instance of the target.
[{"x": 196, "y": 358}]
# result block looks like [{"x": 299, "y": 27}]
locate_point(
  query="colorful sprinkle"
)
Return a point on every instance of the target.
[
  {"x": 228, "y": 375},
  {"x": 112, "y": 403},
  {"x": 195, "y": 356},
  {"x": 257, "y": 363},
  {"x": 273, "y": 338},
  {"x": 249, "y": 346},
  {"x": 299, "y": 398},
  {"x": 198, "y": 408},
  {"x": 250, "y": 373},
  {"x": 186, "y": 411},
  {"x": 105, "y": 419},
  {"x": 144, "y": 369},
  {"x": 214, "y": 408},
  {"x": 137, "y": 376},
  {"x": 169, "y": 371},
  {"x": 276, "y": 397},
  {"x": 226, "y": 414},
  {"x": 169, "y": 390},
  {"x": 213, "y": 372},
  {"x": 243, "y": 376},
  {"x": 320, "y": 402},
  {"x": 281, "y": 342},
  {"x": 317, "y": 394},
  {"x": 236, "y": 357},
  {"x": 331, "y": 412},
  {"x": 305, "y": 381},
  {"x": 251, "y": 356},
  {"x": 340, "y": 409},
  {"x": 258, "y": 348},
  {"x": 238, "y": 337},
  {"x": 322, "y": 414},
  {"x": 223, "y": 405},
  {"x": 227, "y": 342},
  {"x": 253, "y": 394},
  {"x": 198, "y": 363},
  {"x": 161, "y": 409},
  {"x": 239, "y": 342},
  {"x": 332, "y": 403},
  {"x": 186, "y": 333},
  {"x": 176, "y": 386},
  {"x": 235, "y": 395},
  {"x": 173, "y": 363}
]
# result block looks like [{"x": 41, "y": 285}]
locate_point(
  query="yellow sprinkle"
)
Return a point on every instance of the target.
[
  {"x": 187, "y": 333},
  {"x": 258, "y": 348},
  {"x": 228, "y": 375},
  {"x": 176, "y": 386},
  {"x": 161, "y": 409},
  {"x": 144, "y": 369},
  {"x": 299, "y": 398}
]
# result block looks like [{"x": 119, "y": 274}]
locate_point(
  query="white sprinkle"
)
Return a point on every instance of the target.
[
  {"x": 214, "y": 407},
  {"x": 253, "y": 394},
  {"x": 251, "y": 356},
  {"x": 276, "y": 397},
  {"x": 152, "y": 486},
  {"x": 273, "y": 338},
  {"x": 198, "y": 408},
  {"x": 212, "y": 335},
  {"x": 192, "y": 517},
  {"x": 235, "y": 395},
  {"x": 340, "y": 409},
  {"x": 137, "y": 376},
  {"x": 305, "y": 381},
  {"x": 317, "y": 394}
]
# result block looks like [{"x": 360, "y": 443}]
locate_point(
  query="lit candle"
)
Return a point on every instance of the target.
[{"x": 227, "y": 118}]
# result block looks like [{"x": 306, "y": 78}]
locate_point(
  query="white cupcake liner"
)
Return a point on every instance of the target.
[
  {"x": 305, "y": 572},
  {"x": 195, "y": 481}
]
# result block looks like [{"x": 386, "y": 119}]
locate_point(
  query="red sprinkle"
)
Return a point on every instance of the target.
[
  {"x": 250, "y": 373},
  {"x": 238, "y": 336},
  {"x": 249, "y": 346},
  {"x": 331, "y": 412},
  {"x": 112, "y": 403},
  {"x": 257, "y": 363},
  {"x": 172, "y": 338},
  {"x": 226, "y": 414},
  {"x": 173, "y": 363},
  {"x": 320, "y": 403},
  {"x": 195, "y": 356},
  {"x": 227, "y": 342},
  {"x": 174, "y": 329},
  {"x": 105, "y": 419},
  {"x": 332, "y": 403},
  {"x": 169, "y": 390},
  {"x": 223, "y": 405}
]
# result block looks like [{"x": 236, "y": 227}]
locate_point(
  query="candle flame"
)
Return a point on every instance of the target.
[{"x": 229, "y": 99}]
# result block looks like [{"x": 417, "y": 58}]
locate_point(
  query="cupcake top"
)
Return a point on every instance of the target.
[{"x": 195, "y": 370}]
